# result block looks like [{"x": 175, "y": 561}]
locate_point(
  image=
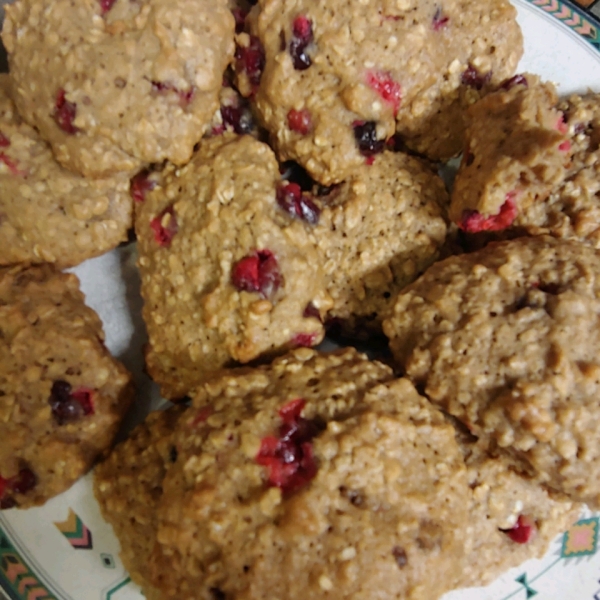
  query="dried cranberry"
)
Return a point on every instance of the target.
[
  {"x": 289, "y": 457},
  {"x": 67, "y": 405},
  {"x": 473, "y": 221},
  {"x": 473, "y": 78},
  {"x": 565, "y": 146},
  {"x": 299, "y": 121},
  {"x": 164, "y": 87},
  {"x": 4, "y": 141},
  {"x": 251, "y": 60},
  {"x": 3, "y": 486},
  {"x": 165, "y": 227},
  {"x": 513, "y": 81},
  {"x": 469, "y": 158},
  {"x": 106, "y": 5},
  {"x": 202, "y": 415},
  {"x": 239, "y": 14},
  {"x": 24, "y": 482},
  {"x": 365, "y": 134},
  {"x": 239, "y": 118},
  {"x": 370, "y": 161},
  {"x": 439, "y": 19},
  {"x": 258, "y": 272},
  {"x": 65, "y": 113},
  {"x": 140, "y": 184},
  {"x": 389, "y": 90},
  {"x": 305, "y": 339},
  {"x": 302, "y": 37},
  {"x": 291, "y": 199},
  {"x": 311, "y": 311},
  {"x": 11, "y": 164},
  {"x": 523, "y": 530}
]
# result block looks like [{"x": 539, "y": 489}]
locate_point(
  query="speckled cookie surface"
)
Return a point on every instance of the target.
[
  {"x": 340, "y": 78},
  {"x": 227, "y": 273},
  {"x": 47, "y": 213},
  {"x": 63, "y": 395},
  {"x": 511, "y": 517},
  {"x": 507, "y": 340},
  {"x": 372, "y": 493},
  {"x": 115, "y": 84},
  {"x": 378, "y": 231},
  {"x": 128, "y": 487},
  {"x": 516, "y": 152}
]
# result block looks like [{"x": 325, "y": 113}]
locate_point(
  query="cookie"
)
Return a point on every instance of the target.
[
  {"x": 63, "y": 395},
  {"x": 507, "y": 340},
  {"x": 47, "y": 213},
  {"x": 228, "y": 262},
  {"x": 317, "y": 475},
  {"x": 378, "y": 231},
  {"x": 117, "y": 84},
  {"x": 128, "y": 487},
  {"x": 516, "y": 152},
  {"x": 332, "y": 82}
]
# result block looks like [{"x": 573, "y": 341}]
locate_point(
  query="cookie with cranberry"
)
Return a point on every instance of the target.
[
  {"x": 128, "y": 486},
  {"x": 228, "y": 262},
  {"x": 507, "y": 340},
  {"x": 511, "y": 517},
  {"x": 117, "y": 84},
  {"x": 517, "y": 150},
  {"x": 332, "y": 83},
  {"x": 378, "y": 231},
  {"x": 317, "y": 475},
  {"x": 47, "y": 213},
  {"x": 63, "y": 395}
]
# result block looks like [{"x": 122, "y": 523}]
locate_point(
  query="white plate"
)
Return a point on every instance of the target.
[{"x": 65, "y": 551}]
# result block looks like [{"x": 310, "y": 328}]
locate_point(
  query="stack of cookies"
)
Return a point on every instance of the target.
[{"x": 279, "y": 165}]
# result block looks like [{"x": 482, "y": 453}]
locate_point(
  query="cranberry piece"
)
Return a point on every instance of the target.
[
  {"x": 561, "y": 125},
  {"x": 239, "y": 14},
  {"x": 291, "y": 199},
  {"x": 106, "y": 5},
  {"x": 473, "y": 221},
  {"x": 369, "y": 161},
  {"x": 365, "y": 134},
  {"x": 302, "y": 37},
  {"x": 473, "y": 78},
  {"x": 4, "y": 141},
  {"x": 389, "y": 90},
  {"x": 289, "y": 457},
  {"x": 140, "y": 184},
  {"x": 258, "y": 272},
  {"x": 299, "y": 121},
  {"x": 65, "y": 113},
  {"x": 523, "y": 530},
  {"x": 67, "y": 405},
  {"x": 565, "y": 146},
  {"x": 305, "y": 339},
  {"x": 439, "y": 19},
  {"x": 513, "y": 81},
  {"x": 311, "y": 311},
  {"x": 165, "y": 227},
  {"x": 164, "y": 87},
  {"x": 24, "y": 482},
  {"x": 11, "y": 164},
  {"x": 251, "y": 60},
  {"x": 3, "y": 486},
  {"x": 202, "y": 415},
  {"x": 469, "y": 158},
  {"x": 239, "y": 118}
]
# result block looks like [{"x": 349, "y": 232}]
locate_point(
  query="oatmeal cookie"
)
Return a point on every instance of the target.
[
  {"x": 379, "y": 231},
  {"x": 62, "y": 395},
  {"x": 47, "y": 213},
  {"x": 228, "y": 263},
  {"x": 315, "y": 476},
  {"x": 113, "y": 84},
  {"x": 516, "y": 152},
  {"x": 507, "y": 340},
  {"x": 128, "y": 487},
  {"x": 333, "y": 81}
]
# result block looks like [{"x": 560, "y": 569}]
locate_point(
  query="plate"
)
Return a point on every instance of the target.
[{"x": 65, "y": 551}]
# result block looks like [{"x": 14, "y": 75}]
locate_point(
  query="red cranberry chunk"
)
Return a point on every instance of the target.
[
  {"x": 3, "y": 486},
  {"x": 305, "y": 340},
  {"x": 239, "y": 118},
  {"x": 365, "y": 134},
  {"x": 165, "y": 227},
  {"x": 140, "y": 184},
  {"x": 258, "y": 272},
  {"x": 251, "y": 60},
  {"x": 106, "y": 5},
  {"x": 469, "y": 158},
  {"x": 311, "y": 311},
  {"x": 4, "y": 141},
  {"x": 65, "y": 113},
  {"x": 68, "y": 406},
  {"x": 439, "y": 19},
  {"x": 565, "y": 146},
  {"x": 302, "y": 37},
  {"x": 239, "y": 14},
  {"x": 12, "y": 165},
  {"x": 389, "y": 90},
  {"x": 513, "y": 81},
  {"x": 472, "y": 221},
  {"x": 24, "y": 482},
  {"x": 164, "y": 87},
  {"x": 299, "y": 121},
  {"x": 291, "y": 199},
  {"x": 473, "y": 78},
  {"x": 523, "y": 530}
]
